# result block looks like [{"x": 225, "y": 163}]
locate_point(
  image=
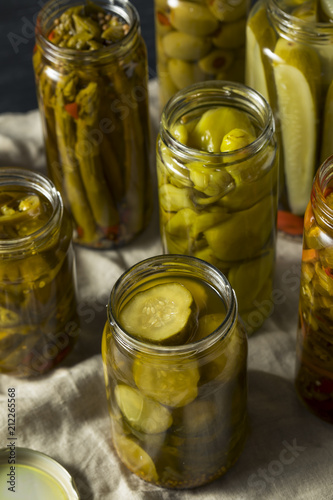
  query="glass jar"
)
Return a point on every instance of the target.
[
  {"x": 178, "y": 412},
  {"x": 39, "y": 324},
  {"x": 221, "y": 206},
  {"x": 94, "y": 105},
  {"x": 197, "y": 41},
  {"x": 289, "y": 60},
  {"x": 314, "y": 375}
]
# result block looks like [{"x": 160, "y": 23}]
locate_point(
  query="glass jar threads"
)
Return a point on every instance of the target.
[
  {"x": 175, "y": 360},
  {"x": 38, "y": 320},
  {"x": 217, "y": 170},
  {"x": 289, "y": 61},
  {"x": 314, "y": 375},
  {"x": 91, "y": 73},
  {"x": 197, "y": 41}
]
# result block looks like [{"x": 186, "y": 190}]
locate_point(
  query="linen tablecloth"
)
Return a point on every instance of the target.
[{"x": 288, "y": 453}]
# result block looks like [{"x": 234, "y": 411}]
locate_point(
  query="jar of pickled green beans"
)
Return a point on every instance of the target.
[
  {"x": 314, "y": 374},
  {"x": 198, "y": 40},
  {"x": 90, "y": 64},
  {"x": 217, "y": 168},
  {"x": 38, "y": 320},
  {"x": 175, "y": 356},
  {"x": 289, "y": 60}
]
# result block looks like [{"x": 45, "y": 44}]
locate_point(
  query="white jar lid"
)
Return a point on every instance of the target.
[{"x": 30, "y": 475}]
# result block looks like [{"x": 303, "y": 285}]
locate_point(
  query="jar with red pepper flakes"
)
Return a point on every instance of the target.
[
  {"x": 91, "y": 74},
  {"x": 199, "y": 40},
  {"x": 314, "y": 377}
]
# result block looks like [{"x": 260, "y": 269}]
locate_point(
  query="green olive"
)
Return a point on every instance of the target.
[
  {"x": 228, "y": 10},
  {"x": 184, "y": 46},
  {"x": 216, "y": 61},
  {"x": 184, "y": 73},
  {"x": 167, "y": 88},
  {"x": 231, "y": 35},
  {"x": 193, "y": 18}
]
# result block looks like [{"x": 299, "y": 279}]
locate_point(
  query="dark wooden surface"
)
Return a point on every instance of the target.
[{"x": 17, "y": 17}]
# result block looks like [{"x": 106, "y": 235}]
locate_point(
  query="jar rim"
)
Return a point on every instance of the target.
[
  {"x": 322, "y": 178},
  {"x": 217, "y": 89},
  {"x": 299, "y": 29},
  {"x": 161, "y": 262},
  {"x": 123, "y": 8},
  {"x": 11, "y": 176}
]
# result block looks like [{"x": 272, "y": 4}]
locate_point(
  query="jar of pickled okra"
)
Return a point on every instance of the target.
[
  {"x": 289, "y": 60},
  {"x": 175, "y": 357},
  {"x": 38, "y": 319},
  {"x": 90, "y": 64},
  {"x": 314, "y": 373},
  {"x": 217, "y": 168},
  {"x": 198, "y": 40}
]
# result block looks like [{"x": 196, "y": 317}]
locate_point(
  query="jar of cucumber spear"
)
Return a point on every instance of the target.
[
  {"x": 90, "y": 64},
  {"x": 289, "y": 61}
]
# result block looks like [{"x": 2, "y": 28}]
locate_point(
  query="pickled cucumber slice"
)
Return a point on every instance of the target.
[
  {"x": 170, "y": 382},
  {"x": 208, "y": 324},
  {"x": 327, "y": 141},
  {"x": 135, "y": 458},
  {"x": 143, "y": 414},
  {"x": 296, "y": 69},
  {"x": 163, "y": 314}
]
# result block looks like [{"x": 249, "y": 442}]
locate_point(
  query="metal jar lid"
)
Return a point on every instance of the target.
[{"x": 30, "y": 475}]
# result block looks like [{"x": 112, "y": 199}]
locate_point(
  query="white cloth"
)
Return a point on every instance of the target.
[{"x": 289, "y": 452}]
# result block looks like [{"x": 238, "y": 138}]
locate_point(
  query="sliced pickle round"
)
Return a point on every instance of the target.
[
  {"x": 142, "y": 413},
  {"x": 162, "y": 314},
  {"x": 135, "y": 458},
  {"x": 169, "y": 382}
]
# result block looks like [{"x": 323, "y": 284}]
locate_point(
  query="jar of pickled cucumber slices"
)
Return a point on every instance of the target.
[
  {"x": 38, "y": 319},
  {"x": 199, "y": 40},
  {"x": 175, "y": 357},
  {"x": 217, "y": 167},
  {"x": 289, "y": 60},
  {"x": 314, "y": 374},
  {"x": 90, "y": 64}
]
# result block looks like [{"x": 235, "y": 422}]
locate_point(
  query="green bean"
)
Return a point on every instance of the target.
[
  {"x": 91, "y": 171},
  {"x": 66, "y": 137}
]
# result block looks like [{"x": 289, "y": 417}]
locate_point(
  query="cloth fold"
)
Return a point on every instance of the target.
[{"x": 289, "y": 452}]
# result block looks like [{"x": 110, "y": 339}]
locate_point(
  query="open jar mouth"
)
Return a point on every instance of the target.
[
  {"x": 172, "y": 265},
  {"x": 296, "y": 28},
  {"x": 38, "y": 183},
  {"x": 54, "y": 8},
  {"x": 207, "y": 95}
]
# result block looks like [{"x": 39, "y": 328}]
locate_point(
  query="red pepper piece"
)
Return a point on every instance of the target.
[
  {"x": 289, "y": 223},
  {"x": 72, "y": 109},
  {"x": 163, "y": 18}
]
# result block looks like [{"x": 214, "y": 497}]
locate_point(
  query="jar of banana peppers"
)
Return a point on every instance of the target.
[
  {"x": 175, "y": 357},
  {"x": 91, "y": 72},
  {"x": 217, "y": 169},
  {"x": 38, "y": 320}
]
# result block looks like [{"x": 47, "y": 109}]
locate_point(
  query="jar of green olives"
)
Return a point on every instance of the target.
[
  {"x": 289, "y": 60},
  {"x": 175, "y": 356},
  {"x": 38, "y": 319},
  {"x": 90, "y": 64},
  {"x": 199, "y": 40},
  {"x": 314, "y": 375},
  {"x": 217, "y": 168}
]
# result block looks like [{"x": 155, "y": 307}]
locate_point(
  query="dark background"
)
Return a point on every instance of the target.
[{"x": 17, "y": 17}]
